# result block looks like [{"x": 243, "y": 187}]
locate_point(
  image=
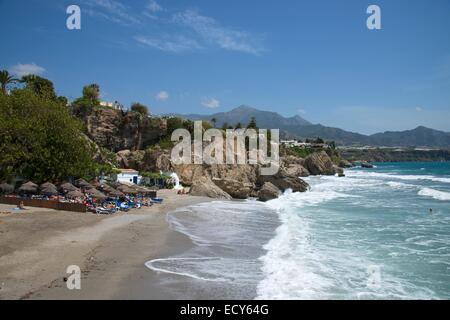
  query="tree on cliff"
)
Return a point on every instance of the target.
[
  {"x": 88, "y": 101},
  {"x": 142, "y": 113},
  {"x": 214, "y": 121},
  {"x": 139, "y": 108},
  {"x": 40, "y": 140},
  {"x": 5, "y": 80}
]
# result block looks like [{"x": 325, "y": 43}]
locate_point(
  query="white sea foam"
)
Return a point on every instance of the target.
[
  {"x": 170, "y": 261},
  {"x": 400, "y": 185},
  {"x": 435, "y": 194},
  {"x": 355, "y": 173}
]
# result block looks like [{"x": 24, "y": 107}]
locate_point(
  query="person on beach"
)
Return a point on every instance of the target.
[{"x": 21, "y": 206}]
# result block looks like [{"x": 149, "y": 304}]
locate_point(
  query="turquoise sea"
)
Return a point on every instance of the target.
[{"x": 369, "y": 235}]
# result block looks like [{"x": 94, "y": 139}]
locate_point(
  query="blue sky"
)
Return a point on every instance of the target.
[{"x": 312, "y": 58}]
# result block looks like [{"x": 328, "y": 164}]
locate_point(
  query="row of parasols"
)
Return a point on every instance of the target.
[{"x": 80, "y": 188}]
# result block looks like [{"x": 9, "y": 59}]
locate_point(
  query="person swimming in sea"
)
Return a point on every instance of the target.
[{"x": 430, "y": 210}]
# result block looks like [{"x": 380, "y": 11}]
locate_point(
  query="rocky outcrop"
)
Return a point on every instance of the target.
[
  {"x": 236, "y": 181},
  {"x": 339, "y": 171},
  {"x": 130, "y": 159},
  {"x": 366, "y": 165},
  {"x": 206, "y": 188},
  {"x": 345, "y": 164},
  {"x": 319, "y": 163},
  {"x": 116, "y": 130},
  {"x": 268, "y": 192},
  {"x": 235, "y": 188},
  {"x": 283, "y": 181}
]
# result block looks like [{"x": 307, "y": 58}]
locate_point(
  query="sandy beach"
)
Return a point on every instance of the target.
[{"x": 37, "y": 245}]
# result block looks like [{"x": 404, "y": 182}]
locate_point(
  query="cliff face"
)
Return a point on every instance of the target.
[{"x": 117, "y": 130}]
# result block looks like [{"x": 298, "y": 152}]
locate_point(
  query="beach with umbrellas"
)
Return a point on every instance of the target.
[{"x": 97, "y": 197}]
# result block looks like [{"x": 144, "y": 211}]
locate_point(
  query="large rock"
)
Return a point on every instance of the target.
[
  {"x": 345, "y": 163},
  {"x": 339, "y": 171},
  {"x": 367, "y": 165},
  {"x": 206, "y": 188},
  {"x": 283, "y": 181},
  {"x": 319, "y": 163},
  {"x": 130, "y": 159},
  {"x": 235, "y": 188},
  {"x": 268, "y": 192},
  {"x": 297, "y": 170}
]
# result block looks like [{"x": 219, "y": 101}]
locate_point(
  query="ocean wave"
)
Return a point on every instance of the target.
[
  {"x": 400, "y": 185},
  {"x": 355, "y": 173},
  {"x": 171, "y": 264},
  {"x": 435, "y": 194}
]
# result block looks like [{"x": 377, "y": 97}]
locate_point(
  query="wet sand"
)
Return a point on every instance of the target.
[{"x": 37, "y": 245}]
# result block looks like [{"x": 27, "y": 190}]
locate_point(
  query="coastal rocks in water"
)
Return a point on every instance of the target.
[
  {"x": 234, "y": 188},
  {"x": 206, "y": 188},
  {"x": 268, "y": 192},
  {"x": 339, "y": 171},
  {"x": 319, "y": 163},
  {"x": 345, "y": 163},
  {"x": 366, "y": 164},
  {"x": 283, "y": 181}
]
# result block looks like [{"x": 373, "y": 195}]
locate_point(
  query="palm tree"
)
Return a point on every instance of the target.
[{"x": 5, "y": 79}]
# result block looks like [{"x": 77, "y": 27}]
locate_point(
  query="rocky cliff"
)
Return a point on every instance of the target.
[{"x": 116, "y": 130}]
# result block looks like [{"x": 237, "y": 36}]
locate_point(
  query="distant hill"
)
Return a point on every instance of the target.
[
  {"x": 243, "y": 114},
  {"x": 297, "y": 127}
]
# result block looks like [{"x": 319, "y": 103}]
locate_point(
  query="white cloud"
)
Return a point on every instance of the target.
[
  {"x": 419, "y": 109},
  {"x": 162, "y": 96},
  {"x": 212, "y": 32},
  {"x": 21, "y": 70},
  {"x": 168, "y": 43},
  {"x": 111, "y": 10},
  {"x": 301, "y": 111},
  {"x": 152, "y": 8},
  {"x": 210, "y": 103}
]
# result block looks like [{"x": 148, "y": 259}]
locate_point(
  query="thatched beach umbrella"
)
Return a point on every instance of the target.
[
  {"x": 47, "y": 185},
  {"x": 49, "y": 190},
  {"x": 81, "y": 183},
  {"x": 6, "y": 188},
  {"x": 115, "y": 193},
  {"x": 110, "y": 191},
  {"x": 95, "y": 183},
  {"x": 127, "y": 189},
  {"x": 68, "y": 187},
  {"x": 29, "y": 188},
  {"x": 74, "y": 194},
  {"x": 94, "y": 193}
]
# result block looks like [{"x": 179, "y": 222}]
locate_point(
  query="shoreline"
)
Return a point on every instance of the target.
[{"x": 110, "y": 250}]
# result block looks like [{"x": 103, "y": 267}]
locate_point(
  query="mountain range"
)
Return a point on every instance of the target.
[{"x": 298, "y": 127}]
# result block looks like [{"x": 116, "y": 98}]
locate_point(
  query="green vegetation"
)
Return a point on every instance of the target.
[
  {"x": 5, "y": 80},
  {"x": 139, "y": 109},
  {"x": 40, "y": 140},
  {"x": 88, "y": 101}
]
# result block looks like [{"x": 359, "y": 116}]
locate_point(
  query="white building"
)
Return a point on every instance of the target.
[
  {"x": 128, "y": 176},
  {"x": 115, "y": 105}
]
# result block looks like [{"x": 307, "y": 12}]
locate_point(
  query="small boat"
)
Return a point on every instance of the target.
[{"x": 157, "y": 200}]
